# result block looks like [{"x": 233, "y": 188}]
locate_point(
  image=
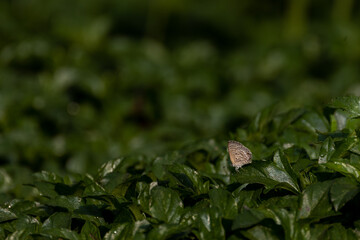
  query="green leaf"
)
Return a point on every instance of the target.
[
  {"x": 168, "y": 231},
  {"x": 69, "y": 202},
  {"x": 23, "y": 226},
  {"x": 46, "y": 189},
  {"x": 249, "y": 217},
  {"x": 282, "y": 162},
  {"x": 209, "y": 224},
  {"x": 119, "y": 165},
  {"x": 91, "y": 215},
  {"x": 268, "y": 174},
  {"x": 288, "y": 222},
  {"x": 301, "y": 139},
  {"x": 50, "y": 177},
  {"x": 58, "y": 220},
  {"x": 263, "y": 118},
  {"x": 342, "y": 191},
  {"x": 109, "y": 167},
  {"x": 284, "y": 211},
  {"x": 165, "y": 204},
  {"x": 29, "y": 223},
  {"x": 248, "y": 198},
  {"x": 315, "y": 201},
  {"x": 260, "y": 232},
  {"x": 327, "y": 150},
  {"x": 335, "y": 135},
  {"x": 94, "y": 189},
  {"x": 190, "y": 214},
  {"x": 123, "y": 214},
  {"x": 189, "y": 178},
  {"x": 90, "y": 231},
  {"x": 143, "y": 198},
  {"x": 315, "y": 232},
  {"x": 350, "y": 104},
  {"x": 19, "y": 235},
  {"x": 343, "y": 166},
  {"x": 122, "y": 231},
  {"x": 6, "y": 215},
  {"x": 313, "y": 122},
  {"x": 260, "y": 150},
  {"x": 345, "y": 146},
  {"x": 23, "y": 206},
  {"x": 60, "y": 233},
  {"x": 224, "y": 201},
  {"x": 334, "y": 231},
  {"x": 128, "y": 231},
  {"x": 355, "y": 149}
]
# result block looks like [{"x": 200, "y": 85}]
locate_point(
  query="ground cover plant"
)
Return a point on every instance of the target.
[
  {"x": 303, "y": 183},
  {"x": 114, "y": 119}
]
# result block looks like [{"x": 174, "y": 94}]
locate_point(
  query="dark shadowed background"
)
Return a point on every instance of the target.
[{"x": 83, "y": 82}]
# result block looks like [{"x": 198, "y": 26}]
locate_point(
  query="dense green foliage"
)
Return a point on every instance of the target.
[
  {"x": 150, "y": 92},
  {"x": 304, "y": 183}
]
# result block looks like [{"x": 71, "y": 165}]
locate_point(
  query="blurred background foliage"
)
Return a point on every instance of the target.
[{"x": 83, "y": 82}]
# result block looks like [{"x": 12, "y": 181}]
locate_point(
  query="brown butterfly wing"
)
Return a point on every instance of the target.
[{"x": 239, "y": 154}]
